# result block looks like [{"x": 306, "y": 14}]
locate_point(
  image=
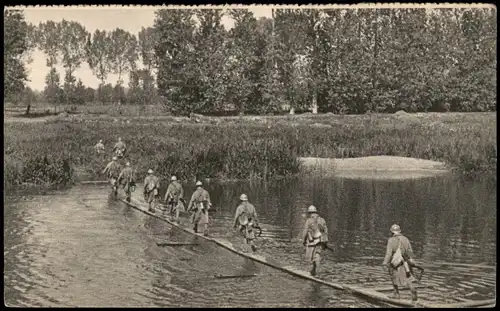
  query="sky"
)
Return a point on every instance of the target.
[{"x": 130, "y": 19}]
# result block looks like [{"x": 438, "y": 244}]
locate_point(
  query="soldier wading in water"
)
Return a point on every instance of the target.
[
  {"x": 174, "y": 197},
  {"x": 127, "y": 180},
  {"x": 112, "y": 171},
  {"x": 246, "y": 218},
  {"x": 199, "y": 205},
  {"x": 398, "y": 259},
  {"x": 151, "y": 190},
  {"x": 315, "y": 238}
]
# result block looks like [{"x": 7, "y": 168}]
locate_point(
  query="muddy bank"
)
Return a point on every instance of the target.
[{"x": 375, "y": 167}]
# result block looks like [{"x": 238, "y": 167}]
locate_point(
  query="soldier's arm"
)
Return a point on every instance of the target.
[
  {"x": 304, "y": 231},
  {"x": 255, "y": 216},
  {"x": 191, "y": 201},
  {"x": 325, "y": 227},
  {"x": 169, "y": 190},
  {"x": 388, "y": 253},
  {"x": 409, "y": 252},
  {"x": 236, "y": 215},
  {"x": 208, "y": 199},
  {"x": 181, "y": 194}
]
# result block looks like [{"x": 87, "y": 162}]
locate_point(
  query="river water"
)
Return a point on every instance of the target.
[{"x": 78, "y": 247}]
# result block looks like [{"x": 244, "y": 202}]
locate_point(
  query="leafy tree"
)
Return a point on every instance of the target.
[
  {"x": 16, "y": 46},
  {"x": 146, "y": 44},
  {"x": 210, "y": 58},
  {"x": 73, "y": 47},
  {"x": 174, "y": 52},
  {"x": 123, "y": 52}
]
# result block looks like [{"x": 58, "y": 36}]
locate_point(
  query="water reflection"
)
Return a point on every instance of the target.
[{"x": 445, "y": 217}]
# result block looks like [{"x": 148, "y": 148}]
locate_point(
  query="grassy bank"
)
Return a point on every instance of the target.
[{"x": 243, "y": 147}]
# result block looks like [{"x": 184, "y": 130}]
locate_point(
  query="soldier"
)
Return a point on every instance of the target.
[
  {"x": 199, "y": 205},
  {"x": 127, "y": 180},
  {"x": 246, "y": 218},
  {"x": 120, "y": 148},
  {"x": 398, "y": 261},
  {"x": 151, "y": 189},
  {"x": 315, "y": 238},
  {"x": 99, "y": 147},
  {"x": 173, "y": 197},
  {"x": 112, "y": 170}
]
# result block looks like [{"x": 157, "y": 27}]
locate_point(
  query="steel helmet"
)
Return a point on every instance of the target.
[
  {"x": 127, "y": 164},
  {"x": 150, "y": 171},
  {"x": 243, "y": 197},
  {"x": 100, "y": 140},
  {"x": 198, "y": 183},
  {"x": 312, "y": 209},
  {"x": 174, "y": 178},
  {"x": 114, "y": 158},
  {"x": 395, "y": 229},
  {"x": 119, "y": 139}
]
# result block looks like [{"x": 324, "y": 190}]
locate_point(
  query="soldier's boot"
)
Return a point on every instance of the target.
[
  {"x": 395, "y": 293},
  {"x": 205, "y": 229},
  {"x": 414, "y": 296},
  {"x": 151, "y": 209},
  {"x": 313, "y": 270},
  {"x": 195, "y": 229},
  {"x": 129, "y": 195}
]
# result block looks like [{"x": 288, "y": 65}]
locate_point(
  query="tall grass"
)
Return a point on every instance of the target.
[{"x": 242, "y": 148}]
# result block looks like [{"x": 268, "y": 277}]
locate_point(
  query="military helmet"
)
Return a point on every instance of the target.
[
  {"x": 199, "y": 183},
  {"x": 312, "y": 209},
  {"x": 173, "y": 178},
  {"x": 395, "y": 229},
  {"x": 150, "y": 171},
  {"x": 243, "y": 197},
  {"x": 114, "y": 158}
]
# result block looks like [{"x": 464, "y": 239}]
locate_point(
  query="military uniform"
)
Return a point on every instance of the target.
[
  {"x": 246, "y": 217},
  {"x": 400, "y": 275},
  {"x": 174, "y": 194},
  {"x": 151, "y": 188},
  {"x": 127, "y": 180},
  {"x": 200, "y": 203},
  {"x": 315, "y": 238}
]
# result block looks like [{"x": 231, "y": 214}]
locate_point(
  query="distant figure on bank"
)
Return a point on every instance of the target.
[
  {"x": 120, "y": 148},
  {"x": 112, "y": 171},
  {"x": 199, "y": 206},
  {"x": 127, "y": 180},
  {"x": 246, "y": 218},
  {"x": 398, "y": 258},
  {"x": 315, "y": 238},
  {"x": 174, "y": 197},
  {"x": 99, "y": 147},
  {"x": 151, "y": 190}
]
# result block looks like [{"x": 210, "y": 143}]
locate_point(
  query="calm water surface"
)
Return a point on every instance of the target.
[{"x": 79, "y": 248}]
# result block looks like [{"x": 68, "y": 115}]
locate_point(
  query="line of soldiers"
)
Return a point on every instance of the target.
[{"x": 398, "y": 260}]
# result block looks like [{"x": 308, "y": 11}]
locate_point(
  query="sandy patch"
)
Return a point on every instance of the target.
[{"x": 375, "y": 167}]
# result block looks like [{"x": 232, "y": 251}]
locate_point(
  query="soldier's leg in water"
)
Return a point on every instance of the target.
[
  {"x": 177, "y": 213},
  {"x": 413, "y": 291}
]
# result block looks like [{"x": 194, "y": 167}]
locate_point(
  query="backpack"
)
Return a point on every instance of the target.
[
  {"x": 397, "y": 257},
  {"x": 314, "y": 237}
]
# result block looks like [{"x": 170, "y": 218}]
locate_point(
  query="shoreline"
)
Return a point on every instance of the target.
[{"x": 375, "y": 167}]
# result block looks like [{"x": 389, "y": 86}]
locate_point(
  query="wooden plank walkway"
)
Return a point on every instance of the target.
[{"x": 356, "y": 277}]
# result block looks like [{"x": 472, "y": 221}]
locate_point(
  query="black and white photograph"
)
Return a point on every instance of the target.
[{"x": 250, "y": 156}]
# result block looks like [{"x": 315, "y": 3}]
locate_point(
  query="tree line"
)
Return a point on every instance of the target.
[{"x": 327, "y": 60}]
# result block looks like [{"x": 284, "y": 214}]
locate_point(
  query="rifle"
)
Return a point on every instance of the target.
[{"x": 418, "y": 267}]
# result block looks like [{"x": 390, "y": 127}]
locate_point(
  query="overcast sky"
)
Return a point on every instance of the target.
[{"x": 127, "y": 18}]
